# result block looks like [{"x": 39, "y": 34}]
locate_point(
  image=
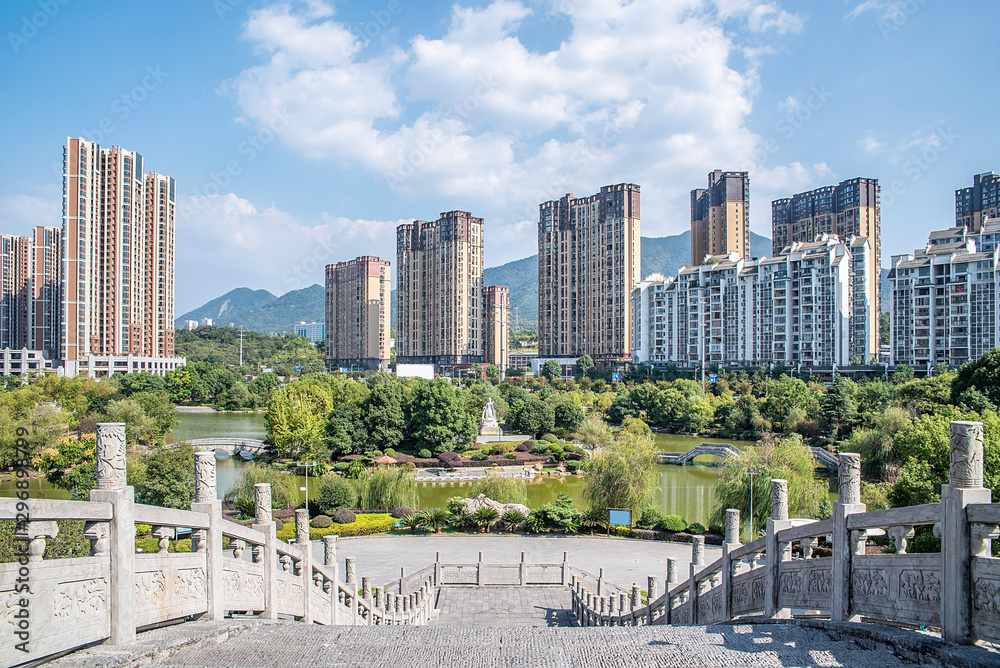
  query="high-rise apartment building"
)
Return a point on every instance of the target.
[
  {"x": 793, "y": 309},
  {"x": 981, "y": 201},
  {"x": 357, "y": 314},
  {"x": 720, "y": 216},
  {"x": 118, "y": 264},
  {"x": 496, "y": 325},
  {"x": 15, "y": 291},
  {"x": 588, "y": 261},
  {"x": 944, "y": 300},
  {"x": 46, "y": 272},
  {"x": 439, "y": 291},
  {"x": 850, "y": 208}
]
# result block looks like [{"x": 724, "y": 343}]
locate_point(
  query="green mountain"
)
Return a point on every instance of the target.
[
  {"x": 260, "y": 311},
  {"x": 280, "y": 314}
]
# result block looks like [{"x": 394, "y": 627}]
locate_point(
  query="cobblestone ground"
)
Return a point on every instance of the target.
[
  {"x": 504, "y": 606},
  {"x": 299, "y": 645}
]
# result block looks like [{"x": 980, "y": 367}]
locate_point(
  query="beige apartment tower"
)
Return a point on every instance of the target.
[
  {"x": 118, "y": 265},
  {"x": 357, "y": 313},
  {"x": 439, "y": 291},
  {"x": 496, "y": 315},
  {"x": 15, "y": 291},
  {"x": 588, "y": 261},
  {"x": 720, "y": 217},
  {"x": 46, "y": 272}
]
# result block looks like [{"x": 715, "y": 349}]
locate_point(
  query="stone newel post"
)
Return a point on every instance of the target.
[
  {"x": 965, "y": 487},
  {"x": 731, "y": 543},
  {"x": 206, "y": 501},
  {"x": 264, "y": 523},
  {"x": 848, "y": 503},
  {"x": 351, "y": 580},
  {"x": 776, "y": 553},
  {"x": 330, "y": 561},
  {"x": 697, "y": 562},
  {"x": 112, "y": 488},
  {"x": 302, "y": 542}
]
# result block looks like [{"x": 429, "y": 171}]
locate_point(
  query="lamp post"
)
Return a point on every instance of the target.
[
  {"x": 306, "y": 466},
  {"x": 752, "y": 473}
]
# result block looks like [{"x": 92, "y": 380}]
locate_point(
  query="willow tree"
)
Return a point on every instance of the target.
[
  {"x": 386, "y": 488},
  {"x": 622, "y": 474},
  {"x": 295, "y": 418},
  {"x": 785, "y": 458},
  {"x": 501, "y": 490}
]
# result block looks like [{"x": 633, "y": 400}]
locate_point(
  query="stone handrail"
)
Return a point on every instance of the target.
[{"x": 957, "y": 589}]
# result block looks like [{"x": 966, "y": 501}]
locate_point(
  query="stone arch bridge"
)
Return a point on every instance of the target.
[
  {"x": 727, "y": 450},
  {"x": 232, "y": 446}
]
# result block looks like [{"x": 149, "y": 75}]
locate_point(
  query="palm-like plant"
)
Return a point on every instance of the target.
[
  {"x": 412, "y": 522},
  {"x": 434, "y": 518},
  {"x": 536, "y": 523},
  {"x": 512, "y": 519},
  {"x": 486, "y": 517}
]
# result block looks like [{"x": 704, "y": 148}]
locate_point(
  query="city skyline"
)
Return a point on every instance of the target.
[{"x": 766, "y": 87}]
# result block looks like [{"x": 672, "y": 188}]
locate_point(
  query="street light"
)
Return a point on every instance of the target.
[
  {"x": 752, "y": 473},
  {"x": 306, "y": 466}
]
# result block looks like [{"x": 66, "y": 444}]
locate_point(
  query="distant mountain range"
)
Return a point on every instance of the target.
[{"x": 261, "y": 311}]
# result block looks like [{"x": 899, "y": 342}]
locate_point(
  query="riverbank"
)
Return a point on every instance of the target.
[{"x": 212, "y": 409}]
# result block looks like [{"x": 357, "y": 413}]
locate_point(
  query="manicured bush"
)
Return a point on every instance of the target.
[
  {"x": 142, "y": 530},
  {"x": 321, "y": 522},
  {"x": 540, "y": 449},
  {"x": 651, "y": 518},
  {"x": 572, "y": 466},
  {"x": 525, "y": 446},
  {"x": 344, "y": 516},
  {"x": 341, "y": 466},
  {"x": 424, "y": 453},
  {"x": 673, "y": 523},
  {"x": 479, "y": 457},
  {"x": 551, "y": 438},
  {"x": 510, "y": 455},
  {"x": 455, "y": 505},
  {"x": 402, "y": 511},
  {"x": 335, "y": 492},
  {"x": 448, "y": 457},
  {"x": 696, "y": 529},
  {"x": 389, "y": 452},
  {"x": 367, "y": 524},
  {"x": 620, "y": 532}
]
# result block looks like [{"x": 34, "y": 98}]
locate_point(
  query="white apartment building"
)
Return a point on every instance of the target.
[
  {"x": 944, "y": 299},
  {"x": 808, "y": 306}
]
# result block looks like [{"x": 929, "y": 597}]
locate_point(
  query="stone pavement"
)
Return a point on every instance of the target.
[
  {"x": 624, "y": 561},
  {"x": 504, "y": 606},
  {"x": 763, "y": 646}
]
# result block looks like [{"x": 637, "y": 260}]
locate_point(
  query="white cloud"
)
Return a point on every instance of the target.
[
  {"x": 229, "y": 241},
  {"x": 885, "y": 9},
  {"x": 19, "y": 213},
  {"x": 870, "y": 144},
  {"x": 640, "y": 90}
]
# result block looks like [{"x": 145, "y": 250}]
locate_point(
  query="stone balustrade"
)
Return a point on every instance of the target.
[{"x": 956, "y": 589}]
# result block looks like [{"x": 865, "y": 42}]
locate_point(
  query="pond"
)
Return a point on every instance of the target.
[{"x": 687, "y": 491}]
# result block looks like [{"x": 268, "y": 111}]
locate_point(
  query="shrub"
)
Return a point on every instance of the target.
[
  {"x": 501, "y": 490},
  {"x": 142, "y": 530},
  {"x": 424, "y": 453},
  {"x": 400, "y": 512},
  {"x": 390, "y": 452},
  {"x": 455, "y": 505},
  {"x": 344, "y": 516},
  {"x": 572, "y": 465},
  {"x": 433, "y": 518},
  {"x": 448, "y": 458},
  {"x": 556, "y": 449},
  {"x": 697, "y": 529},
  {"x": 620, "y": 532},
  {"x": 284, "y": 488},
  {"x": 526, "y": 446},
  {"x": 551, "y": 438},
  {"x": 386, "y": 487},
  {"x": 651, "y": 518},
  {"x": 368, "y": 524},
  {"x": 321, "y": 522},
  {"x": 335, "y": 492},
  {"x": 512, "y": 519},
  {"x": 510, "y": 455},
  {"x": 540, "y": 449},
  {"x": 479, "y": 457},
  {"x": 673, "y": 523},
  {"x": 486, "y": 517},
  {"x": 412, "y": 522},
  {"x": 341, "y": 466},
  {"x": 374, "y": 453}
]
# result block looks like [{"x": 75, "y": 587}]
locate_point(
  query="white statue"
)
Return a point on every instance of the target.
[{"x": 489, "y": 425}]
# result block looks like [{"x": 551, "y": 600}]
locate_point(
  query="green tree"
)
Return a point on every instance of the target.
[
  {"x": 551, "y": 370},
  {"x": 130, "y": 383},
  {"x": 386, "y": 488},
  {"x": 623, "y": 474},
  {"x": 983, "y": 375},
  {"x": 284, "y": 488},
  {"x": 383, "y": 411},
  {"x": 593, "y": 433},
  {"x": 439, "y": 419},
  {"x": 168, "y": 478},
  {"x": 295, "y": 418},
  {"x": 901, "y": 374},
  {"x": 583, "y": 366},
  {"x": 493, "y": 372},
  {"x": 839, "y": 412},
  {"x": 178, "y": 383},
  {"x": 567, "y": 413},
  {"x": 784, "y": 395},
  {"x": 486, "y": 517},
  {"x": 786, "y": 458},
  {"x": 334, "y": 493},
  {"x": 501, "y": 490},
  {"x": 345, "y": 431},
  {"x": 535, "y": 416}
]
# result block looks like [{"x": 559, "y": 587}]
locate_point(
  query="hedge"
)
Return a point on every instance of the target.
[{"x": 366, "y": 525}]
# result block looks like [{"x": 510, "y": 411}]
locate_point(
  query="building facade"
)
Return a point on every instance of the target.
[
  {"x": 496, "y": 325},
  {"x": 944, "y": 301},
  {"x": 357, "y": 314},
  {"x": 439, "y": 291},
  {"x": 46, "y": 281},
  {"x": 794, "y": 309},
  {"x": 588, "y": 261},
  {"x": 975, "y": 205},
  {"x": 720, "y": 216},
  {"x": 15, "y": 291},
  {"x": 118, "y": 263},
  {"x": 314, "y": 331}
]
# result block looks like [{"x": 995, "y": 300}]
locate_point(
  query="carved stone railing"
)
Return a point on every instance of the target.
[
  {"x": 788, "y": 570},
  {"x": 483, "y": 574}
]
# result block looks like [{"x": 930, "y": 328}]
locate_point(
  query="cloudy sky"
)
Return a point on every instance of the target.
[{"x": 301, "y": 133}]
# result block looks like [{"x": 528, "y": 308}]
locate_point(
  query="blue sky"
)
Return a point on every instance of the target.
[{"x": 301, "y": 133}]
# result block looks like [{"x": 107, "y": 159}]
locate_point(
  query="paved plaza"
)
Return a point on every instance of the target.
[
  {"x": 624, "y": 561},
  {"x": 300, "y": 645},
  {"x": 504, "y": 606}
]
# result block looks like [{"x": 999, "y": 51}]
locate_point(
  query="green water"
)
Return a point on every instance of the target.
[{"x": 687, "y": 491}]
